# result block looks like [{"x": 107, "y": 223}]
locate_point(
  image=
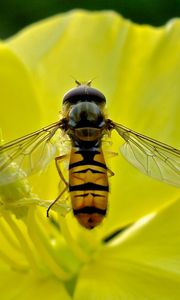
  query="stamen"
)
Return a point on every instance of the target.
[
  {"x": 13, "y": 264},
  {"x": 77, "y": 250},
  {"x": 44, "y": 246},
  {"x": 25, "y": 246},
  {"x": 8, "y": 235}
]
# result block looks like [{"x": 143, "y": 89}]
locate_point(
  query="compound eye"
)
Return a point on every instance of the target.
[{"x": 84, "y": 93}]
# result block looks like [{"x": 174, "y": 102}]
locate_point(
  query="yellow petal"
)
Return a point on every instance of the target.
[
  {"x": 20, "y": 112},
  {"x": 28, "y": 286},
  {"x": 142, "y": 263},
  {"x": 155, "y": 243}
]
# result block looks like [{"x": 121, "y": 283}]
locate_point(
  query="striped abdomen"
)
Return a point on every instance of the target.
[{"x": 88, "y": 186}]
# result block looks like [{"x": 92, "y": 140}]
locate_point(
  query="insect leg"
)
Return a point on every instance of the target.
[
  {"x": 111, "y": 154},
  {"x": 59, "y": 196},
  {"x": 110, "y": 173},
  {"x": 57, "y": 159}
]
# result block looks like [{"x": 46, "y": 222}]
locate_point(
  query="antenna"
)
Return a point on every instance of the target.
[{"x": 88, "y": 83}]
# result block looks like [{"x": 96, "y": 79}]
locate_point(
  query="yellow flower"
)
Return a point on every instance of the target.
[{"x": 136, "y": 67}]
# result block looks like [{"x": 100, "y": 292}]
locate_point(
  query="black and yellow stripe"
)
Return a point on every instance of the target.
[{"x": 88, "y": 186}]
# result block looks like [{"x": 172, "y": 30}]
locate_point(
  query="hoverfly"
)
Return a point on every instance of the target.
[{"x": 84, "y": 123}]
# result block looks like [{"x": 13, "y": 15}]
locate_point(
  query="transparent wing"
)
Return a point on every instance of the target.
[
  {"x": 153, "y": 158},
  {"x": 28, "y": 154}
]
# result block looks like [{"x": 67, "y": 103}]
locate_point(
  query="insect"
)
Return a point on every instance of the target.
[{"x": 84, "y": 123}]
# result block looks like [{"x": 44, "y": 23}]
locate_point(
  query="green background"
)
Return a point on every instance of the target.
[{"x": 16, "y": 14}]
